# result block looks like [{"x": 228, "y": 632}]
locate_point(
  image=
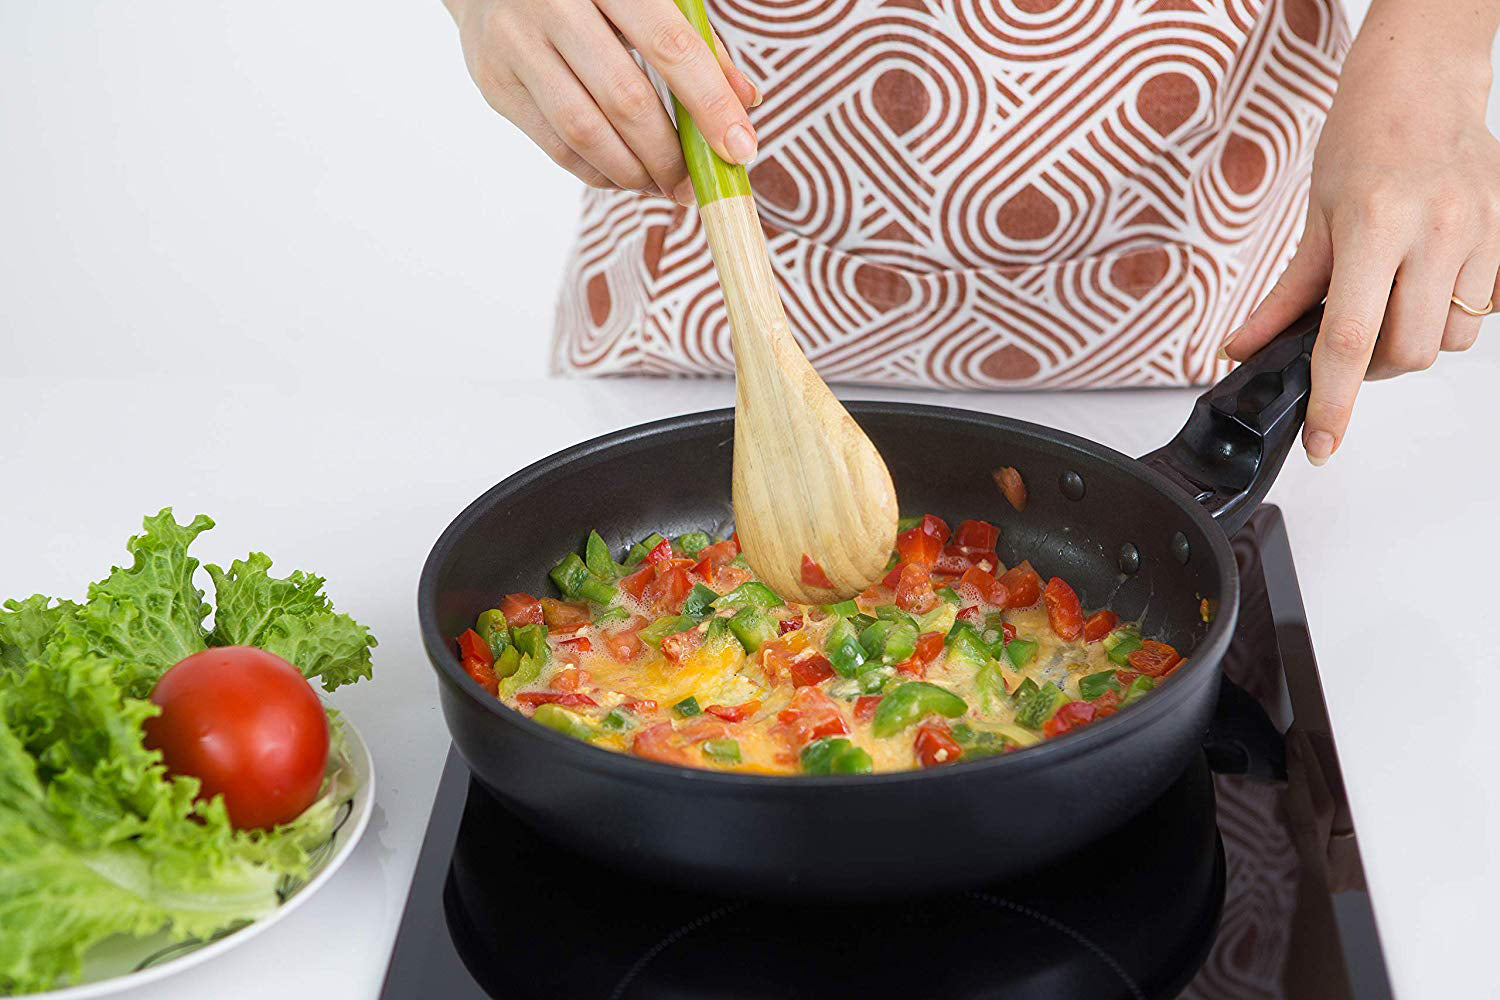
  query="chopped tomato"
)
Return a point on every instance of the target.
[
  {"x": 471, "y": 647},
  {"x": 678, "y": 646},
  {"x": 893, "y": 577},
  {"x": 914, "y": 667},
  {"x": 812, "y": 715},
  {"x": 813, "y": 575},
  {"x": 666, "y": 593},
  {"x": 734, "y": 713},
  {"x": 935, "y": 745},
  {"x": 1154, "y": 658},
  {"x": 976, "y": 536},
  {"x": 970, "y": 614},
  {"x": 1099, "y": 625},
  {"x": 661, "y": 743},
  {"x": 661, "y": 553},
  {"x": 635, "y": 584},
  {"x": 1073, "y": 715},
  {"x": 483, "y": 674},
  {"x": 726, "y": 578},
  {"x": 864, "y": 707},
  {"x": 1063, "y": 609},
  {"x": 1011, "y": 484},
  {"x": 564, "y": 614},
  {"x": 936, "y": 527},
  {"x": 776, "y": 655},
  {"x": 1022, "y": 585},
  {"x": 578, "y": 645},
  {"x": 623, "y": 643},
  {"x": 1126, "y": 677},
  {"x": 814, "y": 669},
  {"x": 714, "y": 557},
  {"x": 567, "y": 699},
  {"x": 914, "y": 592},
  {"x": 929, "y": 646},
  {"x": 1008, "y": 630},
  {"x": 702, "y": 728},
  {"x": 566, "y": 655},
  {"x": 1106, "y": 704},
  {"x": 638, "y": 706},
  {"x": 952, "y": 560},
  {"x": 569, "y": 679},
  {"x": 917, "y": 546},
  {"x": 521, "y": 609},
  {"x": 788, "y": 625},
  {"x": 990, "y": 590}
]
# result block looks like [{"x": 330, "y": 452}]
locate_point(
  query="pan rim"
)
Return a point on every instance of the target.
[{"x": 1201, "y": 668}]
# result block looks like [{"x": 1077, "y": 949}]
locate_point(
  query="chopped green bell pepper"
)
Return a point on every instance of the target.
[
  {"x": 699, "y": 601},
  {"x": 889, "y": 642},
  {"x": 508, "y": 662},
  {"x": 752, "y": 628},
  {"x": 966, "y": 646},
  {"x": 1137, "y": 690},
  {"x": 991, "y": 686},
  {"x": 891, "y": 613},
  {"x": 835, "y": 755},
  {"x": 687, "y": 708},
  {"x": 950, "y": 596},
  {"x": 725, "y": 751},
  {"x": 913, "y": 701},
  {"x": 843, "y": 649},
  {"x": 752, "y": 594},
  {"x": 574, "y": 580},
  {"x": 599, "y": 560},
  {"x": 691, "y": 543},
  {"x": 527, "y": 672},
  {"x": 637, "y": 553},
  {"x": 908, "y": 523},
  {"x": 618, "y": 720},
  {"x": 494, "y": 630},
  {"x": 1094, "y": 685},
  {"x": 1036, "y": 708},
  {"x": 563, "y": 721},
  {"x": 1020, "y": 652},
  {"x": 873, "y": 681},
  {"x": 844, "y": 609},
  {"x": 978, "y": 742},
  {"x": 653, "y": 634},
  {"x": 1023, "y": 691},
  {"x": 531, "y": 640},
  {"x": 610, "y": 616},
  {"x": 1120, "y": 643}
]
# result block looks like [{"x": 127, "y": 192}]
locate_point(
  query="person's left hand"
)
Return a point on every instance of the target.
[{"x": 1405, "y": 213}]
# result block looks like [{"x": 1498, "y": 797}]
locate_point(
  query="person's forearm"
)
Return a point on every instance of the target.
[{"x": 1446, "y": 36}]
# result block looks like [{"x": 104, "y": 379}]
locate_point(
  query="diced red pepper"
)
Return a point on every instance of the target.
[
  {"x": 678, "y": 646},
  {"x": 914, "y": 667},
  {"x": 1011, "y": 484},
  {"x": 786, "y": 625},
  {"x": 914, "y": 593},
  {"x": 936, "y": 527},
  {"x": 482, "y": 673},
  {"x": 734, "y": 713},
  {"x": 811, "y": 670},
  {"x": 636, "y": 583},
  {"x": 929, "y": 646},
  {"x": 567, "y": 699},
  {"x": 812, "y": 715},
  {"x": 471, "y": 647},
  {"x": 970, "y": 614},
  {"x": 935, "y": 745},
  {"x": 1023, "y": 586},
  {"x": 704, "y": 727},
  {"x": 976, "y": 536},
  {"x": 1073, "y": 715},
  {"x": 1154, "y": 659},
  {"x": 1099, "y": 625},
  {"x": 917, "y": 546},
  {"x": 953, "y": 560},
  {"x": 661, "y": 553},
  {"x": 1008, "y": 630},
  {"x": 1063, "y": 609},
  {"x": 864, "y": 707},
  {"x": 893, "y": 577},
  {"x": 990, "y": 590},
  {"x": 521, "y": 609},
  {"x": 813, "y": 575}
]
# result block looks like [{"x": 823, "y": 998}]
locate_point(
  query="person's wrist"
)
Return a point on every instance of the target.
[{"x": 1429, "y": 40}]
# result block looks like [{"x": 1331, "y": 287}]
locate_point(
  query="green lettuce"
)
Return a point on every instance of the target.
[{"x": 96, "y": 839}]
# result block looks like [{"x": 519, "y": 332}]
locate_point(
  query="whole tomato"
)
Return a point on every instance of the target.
[{"x": 245, "y": 723}]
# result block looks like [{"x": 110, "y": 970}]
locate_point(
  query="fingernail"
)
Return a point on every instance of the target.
[
  {"x": 683, "y": 192},
  {"x": 1224, "y": 347},
  {"x": 1319, "y": 445},
  {"x": 741, "y": 145},
  {"x": 755, "y": 101}
]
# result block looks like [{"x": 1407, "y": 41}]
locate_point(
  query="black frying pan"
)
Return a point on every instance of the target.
[{"x": 1146, "y": 538}]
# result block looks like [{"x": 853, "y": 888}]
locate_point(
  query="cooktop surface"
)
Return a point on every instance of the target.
[{"x": 1242, "y": 880}]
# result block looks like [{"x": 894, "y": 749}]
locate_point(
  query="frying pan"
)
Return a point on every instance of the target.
[{"x": 1145, "y": 537}]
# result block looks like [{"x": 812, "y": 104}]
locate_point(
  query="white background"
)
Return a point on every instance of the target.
[{"x": 280, "y": 263}]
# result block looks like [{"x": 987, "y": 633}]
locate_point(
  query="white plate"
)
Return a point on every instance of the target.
[{"x": 123, "y": 963}]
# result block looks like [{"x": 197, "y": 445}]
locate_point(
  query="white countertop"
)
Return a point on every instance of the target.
[{"x": 356, "y": 481}]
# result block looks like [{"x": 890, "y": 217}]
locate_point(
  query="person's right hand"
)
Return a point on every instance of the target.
[{"x": 560, "y": 72}]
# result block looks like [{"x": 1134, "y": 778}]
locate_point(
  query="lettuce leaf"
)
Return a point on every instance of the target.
[{"x": 25, "y": 627}]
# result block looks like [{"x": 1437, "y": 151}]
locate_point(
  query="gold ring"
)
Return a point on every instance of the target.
[{"x": 1488, "y": 307}]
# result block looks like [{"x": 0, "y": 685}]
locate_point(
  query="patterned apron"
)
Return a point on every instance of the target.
[{"x": 981, "y": 194}]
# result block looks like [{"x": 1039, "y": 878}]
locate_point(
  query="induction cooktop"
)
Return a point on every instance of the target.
[{"x": 1243, "y": 880}]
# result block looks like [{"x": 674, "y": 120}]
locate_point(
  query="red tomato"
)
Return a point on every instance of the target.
[
  {"x": 471, "y": 647},
  {"x": 482, "y": 673},
  {"x": 521, "y": 609},
  {"x": 914, "y": 592},
  {"x": 1071, "y": 716},
  {"x": 567, "y": 699},
  {"x": 813, "y": 575},
  {"x": 1008, "y": 630},
  {"x": 936, "y": 527},
  {"x": 1106, "y": 704},
  {"x": 569, "y": 679},
  {"x": 638, "y": 706},
  {"x": 1126, "y": 677},
  {"x": 702, "y": 728},
  {"x": 635, "y": 584},
  {"x": 812, "y": 715},
  {"x": 893, "y": 577},
  {"x": 661, "y": 743},
  {"x": 929, "y": 646},
  {"x": 624, "y": 644},
  {"x": 666, "y": 593},
  {"x": 788, "y": 625},
  {"x": 726, "y": 578},
  {"x": 245, "y": 724},
  {"x": 678, "y": 646},
  {"x": 715, "y": 557},
  {"x": 952, "y": 561},
  {"x": 976, "y": 536},
  {"x": 864, "y": 707},
  {"x": 814, "y": 669},
  {"x": 913, "y": 667},
  {"x": 1099, "y": 625},
  {"x": 578, "y": 645},
  {"x": 1154, "y": 658},
  {"x": 970, "y": 615},
  {"x": 564, "y": 615},
  {"x": 990, "y": 590},
  {"x": 917, "y": 546},
  {"x": 1063, "y": 609},
  {"x": 734, "y": 713},
  {"x": 661, "y": 553},
  {"x": 935, "y": 745},
  {"x": 1023, "y": 586}
]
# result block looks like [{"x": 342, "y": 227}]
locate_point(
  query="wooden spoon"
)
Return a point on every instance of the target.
[{"x": 808, "y": 484}]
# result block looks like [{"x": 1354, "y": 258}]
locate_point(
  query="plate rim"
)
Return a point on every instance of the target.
[{"x": 363, "y": 803}]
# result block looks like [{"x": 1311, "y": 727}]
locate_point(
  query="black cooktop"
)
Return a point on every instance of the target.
[{"x": 1243, "y": 880}]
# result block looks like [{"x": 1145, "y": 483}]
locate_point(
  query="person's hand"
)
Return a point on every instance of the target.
[
  {"x": 1405, "y": 212},
  {"x": 558, "y": 70}
]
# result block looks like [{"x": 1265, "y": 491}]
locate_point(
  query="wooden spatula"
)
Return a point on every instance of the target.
[{"x": 810, "y": 491}]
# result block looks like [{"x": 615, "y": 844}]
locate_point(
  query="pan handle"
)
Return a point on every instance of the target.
[{"x": 1228, "y": 453}]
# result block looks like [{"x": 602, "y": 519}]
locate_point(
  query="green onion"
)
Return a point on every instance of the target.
[{"x": 617, "y": 720}]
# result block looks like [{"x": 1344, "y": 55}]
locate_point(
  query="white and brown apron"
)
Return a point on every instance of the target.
[{"x": 986, "y": 193}]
